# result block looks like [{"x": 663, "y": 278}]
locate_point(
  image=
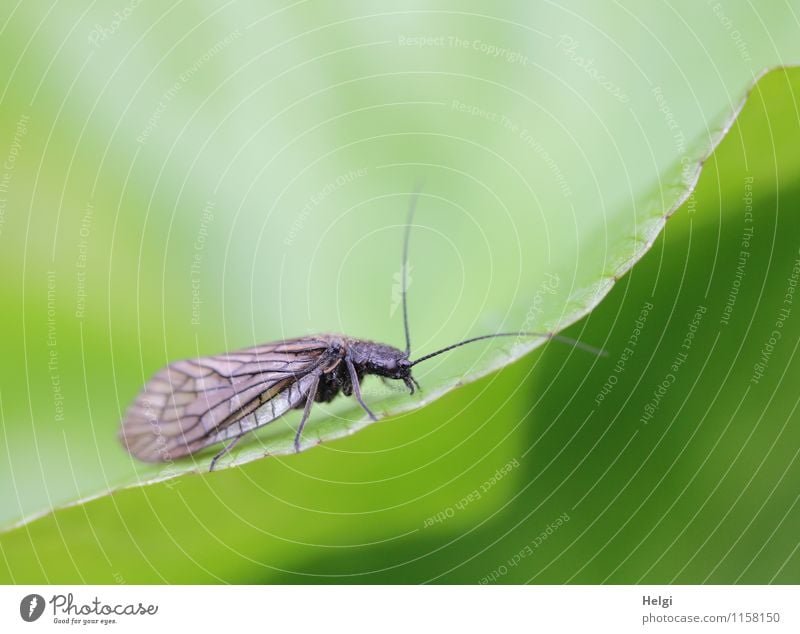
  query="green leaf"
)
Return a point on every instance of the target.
[
  {"x": 701, "y": 492},
  {"x": 281, "y": 174}
]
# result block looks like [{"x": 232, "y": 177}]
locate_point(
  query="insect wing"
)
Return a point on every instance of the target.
[{"x": 192, "y": 404}]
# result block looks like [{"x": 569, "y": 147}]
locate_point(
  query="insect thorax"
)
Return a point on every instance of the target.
[{"x": 378, "y": 358}]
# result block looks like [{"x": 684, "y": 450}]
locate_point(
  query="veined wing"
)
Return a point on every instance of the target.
[{"x": 194, "y": 403}]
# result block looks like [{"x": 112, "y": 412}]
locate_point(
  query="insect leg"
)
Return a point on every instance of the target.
[
  {"x": 357, "y": 387},
  {"x": 224, "y": 450},
  {"x": 312, "y": 393},
  {"x": 411, "y": 384}
]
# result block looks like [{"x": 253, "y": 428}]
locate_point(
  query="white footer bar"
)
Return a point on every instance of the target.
[{"x": 354, "y": 609}]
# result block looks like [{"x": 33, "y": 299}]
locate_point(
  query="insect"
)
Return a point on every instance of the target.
[{"x": 195, "y": 403}]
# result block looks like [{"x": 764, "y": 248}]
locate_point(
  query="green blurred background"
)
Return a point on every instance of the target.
[{"x": 182, "y": 180}]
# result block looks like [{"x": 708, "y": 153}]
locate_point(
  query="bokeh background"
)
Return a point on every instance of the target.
[{"x": 184, "y": 179}]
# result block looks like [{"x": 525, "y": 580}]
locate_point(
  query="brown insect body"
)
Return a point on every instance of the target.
[
  {"x": 346, "y": 362},
  {"x": 195, "y": 403}
]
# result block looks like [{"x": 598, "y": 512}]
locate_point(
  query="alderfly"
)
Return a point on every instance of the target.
[{"x": 193, "y": 404}]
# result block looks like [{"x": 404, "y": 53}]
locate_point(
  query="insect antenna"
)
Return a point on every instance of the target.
[
  {"x": 562, "y": 338},
  {"x": 412, "y": 205}
]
